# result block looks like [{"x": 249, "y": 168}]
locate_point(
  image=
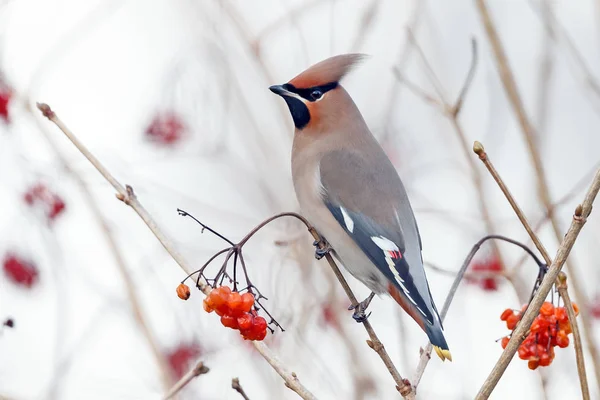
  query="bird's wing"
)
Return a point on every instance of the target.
[{"x": 368, "y": 200}]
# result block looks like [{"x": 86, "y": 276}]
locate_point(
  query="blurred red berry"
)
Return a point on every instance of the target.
[
  {"x": 181, "y": 359},
  {"x": 166, "y": 128},
  {"x": 6, "y": 95},
  {"x": 20, "y": 271},
  {"x": 39, "y": 195},
  {"x": 329, "y": 316},
  {"x": 490, "y": 265}
]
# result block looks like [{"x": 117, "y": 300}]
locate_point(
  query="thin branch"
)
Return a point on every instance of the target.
[
  {"x": 199, "y": 369},
  {"x": 426, "y": 353},
  {"x": 512, "y": 92},
  {"x": 581, "y": 213},
  {"x": 235, "y": 384},
  {"x": 117, "y": 254},
  {"x": 564, "y": 293},
  {"x": 455, "y": 110},
  {"x": 480, "y": 151},
  {"x": 127, "y": 195}
]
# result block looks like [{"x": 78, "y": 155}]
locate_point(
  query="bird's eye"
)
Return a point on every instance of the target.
[{"x": 316, "y": 94}]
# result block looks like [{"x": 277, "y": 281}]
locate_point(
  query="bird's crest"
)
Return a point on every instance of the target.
[{"x": 330, "y": 70}]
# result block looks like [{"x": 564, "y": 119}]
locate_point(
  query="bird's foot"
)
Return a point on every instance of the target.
[
  {"x": 322, "y": 248},
  {"x": 360, "y": 309}
]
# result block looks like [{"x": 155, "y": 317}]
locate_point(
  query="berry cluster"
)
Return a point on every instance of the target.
[
  {"x": 166, "y": 129},
  {"x": 236, "y": 312},
  {"x": 549, "y": 329},
  {"x": 39, "y": 195},
  {"x": 490, "y": 266}
]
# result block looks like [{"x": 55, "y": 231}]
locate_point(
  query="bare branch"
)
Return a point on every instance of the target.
[
  {"x": 127, "y": 195},
  {"x": 520, "y": 332},
  {"x": 235, "y": 384},
  {"x": 512, "y": 92},
  {"x": 564, "y": 293},
  {"x": 199, "y": 369}
]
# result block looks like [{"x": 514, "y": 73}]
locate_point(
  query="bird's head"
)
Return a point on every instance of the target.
[{"x": 315, "y": 94}]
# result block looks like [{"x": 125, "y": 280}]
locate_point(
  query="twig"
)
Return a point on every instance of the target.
[
  {"x": 235, "y": 384},
  {"x": 117, "y": 255},
  {"x": 452, "y": 112},
  {"x": 426, "y": 353},
  {"x": 529, "y": 135},
  {"x": 127, "y": 195},
  {"x": 480, "y": 151},
  {"x": 581, "y": 213},
  {"x": 564, "y": 293},
  {"x": 199, "y": 369}
]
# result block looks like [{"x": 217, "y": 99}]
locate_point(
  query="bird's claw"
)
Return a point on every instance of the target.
[
  {"x": 322, "y": 248},
  {"x": 360, "y": 309}
]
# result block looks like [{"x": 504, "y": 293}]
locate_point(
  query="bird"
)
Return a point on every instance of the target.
[{"x": 350, "y": 192}]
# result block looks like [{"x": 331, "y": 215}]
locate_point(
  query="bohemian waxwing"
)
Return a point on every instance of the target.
[{"x": 350, "y": 192}]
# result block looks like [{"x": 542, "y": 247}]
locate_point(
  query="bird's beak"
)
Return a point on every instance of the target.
[{"x": 281, "y": 91}]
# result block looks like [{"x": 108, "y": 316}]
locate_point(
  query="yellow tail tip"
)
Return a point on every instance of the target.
[{"x": 443, "y": 354}]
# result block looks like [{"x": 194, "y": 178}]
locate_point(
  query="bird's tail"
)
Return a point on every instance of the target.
[
  {"x": 438, "y": 341},
  {"x": 434, "y": 331}
]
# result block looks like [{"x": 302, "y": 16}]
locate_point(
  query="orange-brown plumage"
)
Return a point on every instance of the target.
[{"x": 331, "y": 70}]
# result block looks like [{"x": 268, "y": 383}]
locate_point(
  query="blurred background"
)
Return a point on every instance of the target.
[{"x": 172, "y": 96}]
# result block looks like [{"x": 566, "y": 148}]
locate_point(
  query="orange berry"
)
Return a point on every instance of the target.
[
  {"x": 504, "y": 342},
  {"x": 505, "y": 314},
  {"x": 229, "y": 321},
  {"x": 224, "y": 290},
  {"x": 533, "y": 363},
  {"x": 206, "y": 305},
  {"x": 218, "y": 297},
  {"x": 562, "y": 340},
  {"x": 247, "y": 302},
  {"x": 245, "y": 321},
  {"x": 183, "y": 291},
  {"x": 524, "y": 352},
  {"x": 545, "y": 360},
  {"x": 511, "y": 322},
  {"x": 561, "y": 314},
  {"x": 222, "y": 310},
  {"x": 547, "y": 309},
  {"x": 234, "y": 301},
  {"x": 576, "y": 309}
]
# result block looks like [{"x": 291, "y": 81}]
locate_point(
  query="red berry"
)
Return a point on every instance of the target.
[
  {"x": 511, "y": 322},
  {"x": 207, "y": 306},
  {"x": 260, "y": 324},
  {"x": 219, "y": 297},
  {"x": 247, "y": 302},
  {"x": 533, "y": 363},
  {"x": 229, "y": 321},
  {"x": 547, "y": 309},
  {"x": 561, "y": 314},
  {"x": 504, "y": 342},
  {"x": 524, "y": 352},
  {"x": 545, "y": 360},
  {"x": 260, "y": 335},
  {"x": 19, "y": 270},
  {"x": 505, "y": 314},
  {"x": 245, "y": 322},
  {"x": 166, "y": 128},
  {"x": 562, "y": 340},
  {"x": 235, "y": 301}
]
